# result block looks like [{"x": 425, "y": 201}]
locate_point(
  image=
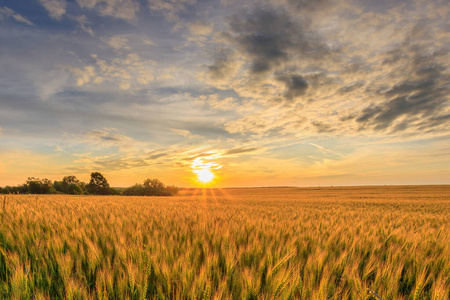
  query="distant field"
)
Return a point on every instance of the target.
[{"x": 268, "y": 243}]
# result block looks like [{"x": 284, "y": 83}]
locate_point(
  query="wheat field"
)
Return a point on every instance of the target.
[{"x": 268, "y": 243}]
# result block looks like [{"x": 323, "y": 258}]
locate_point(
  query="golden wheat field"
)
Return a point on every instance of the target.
[{"x": 266, "y": 243}]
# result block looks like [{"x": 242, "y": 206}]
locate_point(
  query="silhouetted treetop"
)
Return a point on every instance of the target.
[{"x": 98, "y": 184}]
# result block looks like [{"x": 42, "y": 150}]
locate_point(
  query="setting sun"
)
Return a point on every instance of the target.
[{"x": 204, "y": 175}]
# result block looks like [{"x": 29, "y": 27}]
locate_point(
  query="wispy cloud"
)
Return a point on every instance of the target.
[
  {"x": 170, "y": 8},
  {"x": 239, "y": 151},
  {"x": 118, "y": 42},
  {"x": 56, "y": 8},
  {"x": 186, "y": 133},
  {"x": 200, "y": 28},
  {"x": 83, "y": 23},
  {"x": 6, "y": 12},
  {"x": 126, "y": 72},
  {"x": 109, "y": 137},
  {"x": 121, "y": 9}
]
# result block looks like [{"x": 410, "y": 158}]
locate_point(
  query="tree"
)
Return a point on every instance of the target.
[
  {"x": 74, "y": 189},
  {"x": 39, "y": 186},
  {"x": 58, "y": 186},
  {"x": 71, "y": 185},
  {"x": 98, "y": 185},
  {"x": 150, "y": 187},
  {"x": 135, "y": 190},
  {"x": 70, "y": 180},
  {"x": 171, "y": 190},
  {"x": 153, "y": 187}
]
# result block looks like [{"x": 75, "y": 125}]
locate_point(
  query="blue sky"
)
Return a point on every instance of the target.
[{"x": 259, "y": 92}]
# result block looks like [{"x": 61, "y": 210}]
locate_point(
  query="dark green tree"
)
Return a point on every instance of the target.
[
  {"x": 57, "y": 185},
  {"x": 71, "y": 185},
  {"x": 39, "y": 186},
  {"x": 153, "y": 187},
  {"x": 135, "y": 190},
  {"x": 98, "y": 185},
  {"x": 74, "y": 189},
  {"x": 70, "y": 180},
  {"x": 150, "y": 187}
]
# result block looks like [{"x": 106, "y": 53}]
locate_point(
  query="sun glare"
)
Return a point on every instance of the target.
[{"x": 204, "y": 175}]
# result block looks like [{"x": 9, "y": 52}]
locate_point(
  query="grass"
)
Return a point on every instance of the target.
[{"x": 287, "y": 243}]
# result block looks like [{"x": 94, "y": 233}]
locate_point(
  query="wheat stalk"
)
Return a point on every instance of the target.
[
  {"x": 4, "y": 206},
  {"x": 375, "y": 294}
]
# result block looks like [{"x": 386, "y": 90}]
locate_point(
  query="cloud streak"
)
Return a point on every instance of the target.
[
  {"x": 56, "y": 8},
  {"x": 6, "y": 12},
  {"x": 121, "y": 9}
]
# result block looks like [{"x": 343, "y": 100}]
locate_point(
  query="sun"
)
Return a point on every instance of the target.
[{"x": 204, "y": 175}]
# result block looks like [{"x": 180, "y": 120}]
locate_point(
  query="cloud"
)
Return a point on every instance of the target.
[
  {"x": 156, "y": 156},
  {"x": 259, "y": 123},
  {"x": 83, "y": 75},
  {"x": 216, "y": 102},
  {"x": 295, "y": 85},
  {"x": 170, "y": 8},
  {"x": 83, "y": 24},
  {"x": 416, "y": 99},
  {"x": 53, "y": 82},
  {"x": 111, "y": 162},
  {"x": 128, "y": 72},
  {"x": 239, "y": 150},
  {"x": 148, "y": 42},
  {"x": 225, "y": 65},
  {"x": 323, "y": 127},
  {"x": 118, "y": 42},
  {"x": 108, "y": 137},
  {"x": 388, "y": 81},
  {"x": 185, "y": 133},
  {"x": 200, "y": 28},
  {"x": 121, "y": 9},
  {"x": 270, "y": 37},
  {"x": 308, "y": 5},
  {"x": 56, "y": 8},
  {"x": 6, "y": 13}
]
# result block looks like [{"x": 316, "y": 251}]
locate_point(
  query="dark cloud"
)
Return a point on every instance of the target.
[
  {"x": 309, "y": 5},
  {"x": 351, "y": 87},
  {"x": 322, "y": 127},
  {"x": 108, "y": 136},
  {"x": 222, "y": 66},
  {"x": 239, "y": 150},
  {"x": 156, "y": 156},
  {"x": 269, "y": 37},
  {"x": 419, "y": 96},
  {"x": 295, "y": 85}
]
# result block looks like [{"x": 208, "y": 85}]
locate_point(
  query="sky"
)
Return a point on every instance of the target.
[{"x": 261, "y": 93}]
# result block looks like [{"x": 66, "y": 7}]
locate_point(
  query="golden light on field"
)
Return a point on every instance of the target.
[
  {"x": 204, "y": 175},
  {"x": 295, "y": 243}
]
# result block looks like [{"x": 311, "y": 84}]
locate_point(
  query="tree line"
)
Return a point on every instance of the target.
[{"x": 98, "y": 185}]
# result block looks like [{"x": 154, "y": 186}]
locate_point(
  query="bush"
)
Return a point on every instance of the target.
[
  {"x": 74, "y": 189},
  {"x": 151, "y": 187},
  {"x": 135, "y": 190}
]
